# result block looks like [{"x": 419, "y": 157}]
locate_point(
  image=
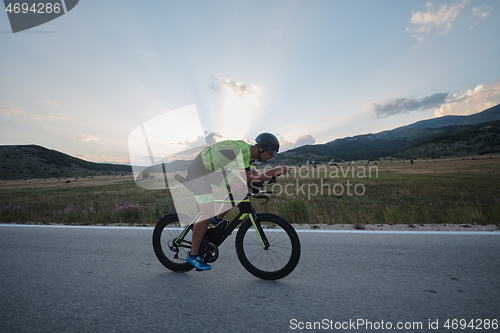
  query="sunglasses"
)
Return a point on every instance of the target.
[{"x": 272, "y": 151}]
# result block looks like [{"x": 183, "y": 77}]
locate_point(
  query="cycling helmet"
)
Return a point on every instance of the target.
[{"x": 268, "y": 142}]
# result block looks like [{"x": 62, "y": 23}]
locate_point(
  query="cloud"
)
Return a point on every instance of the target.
[
  {"x": 481, "y": 13},
  {"x": 214, "y": 86},
  {"x": 473, "y": 101},
  {"x": 8, "y": 110},
  {"x": 40, "y": 116},
  {"x": 405, "y": 105},
  {"x": 284, "y": 143},
  {"x": 192, "y": 147},
  {"x": 87, "y": 138},
  {"x": 248, "y": 92},
  {"x": 424, "y": 21},
  {"x": 306, "y": 139},
  {"x": 49, "y": 102},
  {"x": 207, "y": 139},
  {"x": 212, "y": 137},
  {"x": 303, "y": 140}
]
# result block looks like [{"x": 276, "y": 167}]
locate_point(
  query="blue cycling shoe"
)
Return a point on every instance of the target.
[
  {"x": 214, "y": 221},
  {"x": 198, "y": 262}
]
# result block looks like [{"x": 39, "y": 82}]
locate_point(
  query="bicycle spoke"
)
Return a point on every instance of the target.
[
  {"x": 276, "y": 256},
  {"x": 170, "y": 250}
]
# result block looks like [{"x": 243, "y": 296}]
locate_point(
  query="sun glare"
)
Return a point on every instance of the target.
[
  {"x": 238, "y": 115},
  {"x": 165, "y": 136}
]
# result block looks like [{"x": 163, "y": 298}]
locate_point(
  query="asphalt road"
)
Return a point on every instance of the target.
[{"x": 71, "y": 279}]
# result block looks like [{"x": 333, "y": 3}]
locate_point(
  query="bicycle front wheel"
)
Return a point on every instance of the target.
[
  {"x": 168, "y": 252},
  {"x": 282, "y": 255}
]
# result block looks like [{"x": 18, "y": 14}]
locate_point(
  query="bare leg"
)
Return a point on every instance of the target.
[
  {"x": 200, "y": 227},
  {"x": 199, "y": 230},
  {"x": 238, "y": 188}
]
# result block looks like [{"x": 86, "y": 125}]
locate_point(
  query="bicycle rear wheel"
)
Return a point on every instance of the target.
[
  {"x": 282, "y": 255},
  {"x": 172, "y": 256}
]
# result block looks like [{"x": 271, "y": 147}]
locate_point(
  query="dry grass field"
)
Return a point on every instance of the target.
[
  {"x": 445, "y": 191},
  {"x": 436, "y": 191}
]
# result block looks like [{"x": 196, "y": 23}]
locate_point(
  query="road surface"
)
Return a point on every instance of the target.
[{"x": 75, "y": 279}]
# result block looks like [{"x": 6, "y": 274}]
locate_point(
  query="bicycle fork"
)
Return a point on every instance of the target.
[{"x": 258, "y": 230}]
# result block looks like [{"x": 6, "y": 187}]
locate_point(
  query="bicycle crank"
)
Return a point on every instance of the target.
[{"x": 209, "y": 251}]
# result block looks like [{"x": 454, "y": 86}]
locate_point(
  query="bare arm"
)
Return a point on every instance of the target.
[{"x": 256, "y": 176}]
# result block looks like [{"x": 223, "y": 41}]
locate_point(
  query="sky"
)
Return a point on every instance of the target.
[{"x": 307, "y": 71}]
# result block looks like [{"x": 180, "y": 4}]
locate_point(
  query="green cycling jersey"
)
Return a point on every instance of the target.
[{"x": 227, "y": 154}]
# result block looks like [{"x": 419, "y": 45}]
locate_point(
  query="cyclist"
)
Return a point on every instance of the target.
[{"x": 216, "y": 165}]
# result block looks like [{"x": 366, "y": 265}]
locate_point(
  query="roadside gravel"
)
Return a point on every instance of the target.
[{"x": 399, "y": 227}]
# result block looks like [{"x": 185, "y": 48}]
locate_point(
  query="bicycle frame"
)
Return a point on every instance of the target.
[
  {"x": 217, "y": 235},
  {"x": 256, "y": 251}
]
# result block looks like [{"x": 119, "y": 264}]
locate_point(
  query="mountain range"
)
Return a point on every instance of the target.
[
  {"x": 32, "y": 161},
  {"x": 433, "y": 138}
]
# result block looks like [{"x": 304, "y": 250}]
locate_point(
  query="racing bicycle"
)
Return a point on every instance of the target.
[{"x": 266, "y": 245}]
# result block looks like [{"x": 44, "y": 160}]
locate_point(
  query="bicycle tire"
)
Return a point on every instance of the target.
[
  {"x": 166, "y": 230},
  {"x": 283, "y": 254}
]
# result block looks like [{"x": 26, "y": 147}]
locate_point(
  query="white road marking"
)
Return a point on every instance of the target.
[{"x": 496, "y": 233}]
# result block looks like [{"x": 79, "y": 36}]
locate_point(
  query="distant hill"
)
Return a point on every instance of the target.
[
  {"x": 433, "y": 138},
  {"x": 32, "y": 161},
  {"x": 439, "y": 131},
  {"x": 436, "y": 122},
  {"x": 459, "y": 141},
  {"x": 491, "y": 114}
]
